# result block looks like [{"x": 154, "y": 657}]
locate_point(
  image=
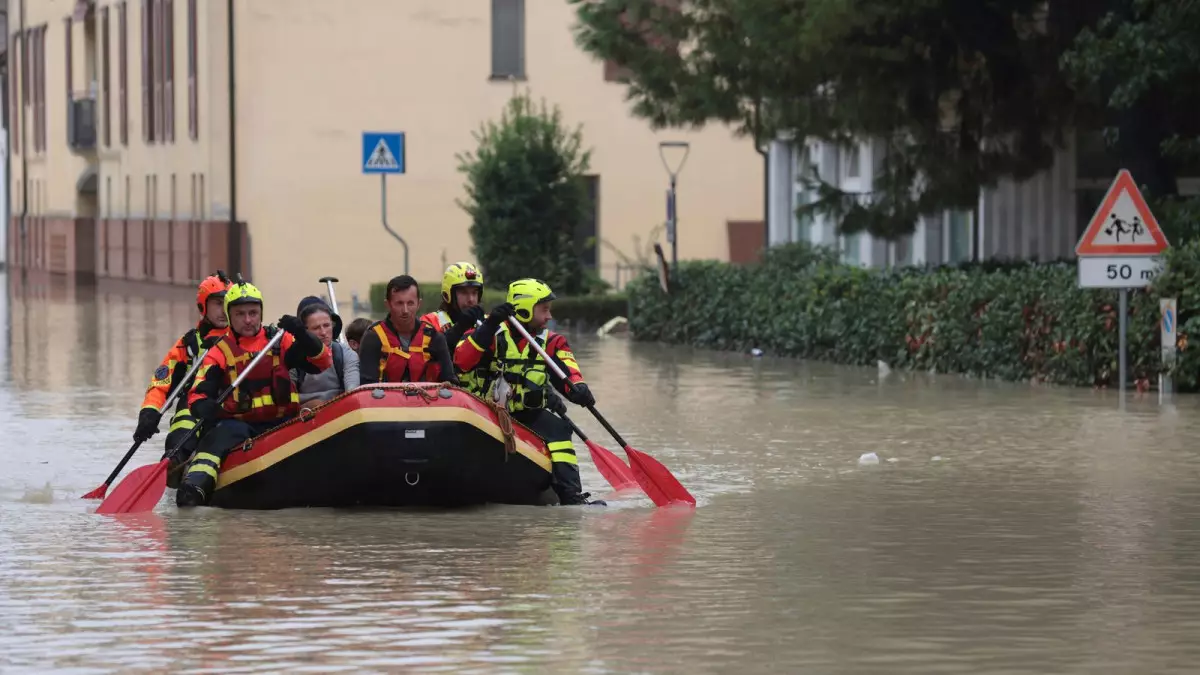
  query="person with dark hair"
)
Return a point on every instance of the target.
[
  {"x": 401, "y": 348},
  {"x": 323, "y": 322},
  {"x": 355, "y": 332}
]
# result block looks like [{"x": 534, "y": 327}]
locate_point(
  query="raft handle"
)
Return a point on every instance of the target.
[{"x": 414, "y": 481}]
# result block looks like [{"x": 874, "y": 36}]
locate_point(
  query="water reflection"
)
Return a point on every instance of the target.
[{"x": 1006, "y": 528}]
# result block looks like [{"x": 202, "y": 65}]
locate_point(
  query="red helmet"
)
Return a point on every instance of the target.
[{"x": 212, "y": 287}]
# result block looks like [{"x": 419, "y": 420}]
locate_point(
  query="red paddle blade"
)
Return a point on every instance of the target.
[
  {"x": 611, "y": 467},
  {"x": 657, "y": 481},
  {"x": 98, "y": 493},
  {"x": 140, "y": 491}
]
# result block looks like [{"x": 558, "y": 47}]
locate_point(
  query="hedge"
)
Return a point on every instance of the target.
[
  {"x": 586, "y": 310},
  {"x": 1013, "y": 321}
]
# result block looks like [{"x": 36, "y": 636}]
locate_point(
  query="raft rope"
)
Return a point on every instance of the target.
[{"x": 506, "y": 426}]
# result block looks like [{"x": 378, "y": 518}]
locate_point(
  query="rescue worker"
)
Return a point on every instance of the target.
[
  {"x": 462, "y": 290},
  {"x": 210, "y": 300},
  {"x": 401, "y": 348},
  {"x": 265, "y": 399},
  {"x": 530, "y": 381}
]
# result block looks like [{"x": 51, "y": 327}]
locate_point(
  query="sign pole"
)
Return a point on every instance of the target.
[
  {"x": 1124, "y": 310},
  {"x": 1167, "y": 341},
  {"x": 383, "y": 217}
]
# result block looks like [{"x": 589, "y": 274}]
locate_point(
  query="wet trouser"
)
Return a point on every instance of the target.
[
  {"x": 211, "y": 450},
  {"x": 564, "y": 464},
  {"x": 181, "y": 424}
]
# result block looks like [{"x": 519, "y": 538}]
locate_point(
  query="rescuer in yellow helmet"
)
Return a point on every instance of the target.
[
  {"x": 531, "y": 382},
  {"x": 265, "y": 399}
]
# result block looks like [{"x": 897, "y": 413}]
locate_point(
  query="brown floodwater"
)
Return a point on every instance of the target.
[{"x": 1004, "y": 528}]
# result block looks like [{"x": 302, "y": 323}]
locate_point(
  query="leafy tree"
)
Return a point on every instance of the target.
[
  {"x": 1141, "y": 62},
  {"x": 525, "y": 195},
  {"x": 961, "y": 94}
]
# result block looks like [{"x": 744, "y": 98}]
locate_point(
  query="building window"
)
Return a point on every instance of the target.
[
  {"x": 588, "y": 229},
  {"x": 41, "y": 88},
  {"x": 123, "y": 73},
  {"x": 193, "y": 63},
  {"x": 148, "y": 93},
  {"x": 508, "y": 39},
  {"x": 852, "y": 161},
  {"x": 167, "y": 38},
  {"x": 958, "y": 236},
  {"x": 106, "y": 77},
  {"x": 67, "y": 40},
  {"x": 852, "y": 248},
  {"x": 15, "y": 75}
]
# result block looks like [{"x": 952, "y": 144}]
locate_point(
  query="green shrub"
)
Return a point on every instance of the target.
[
  {"x": 582, "y": 310},
  {"x": 526, "y": 195},
  {"x": 1009, "y": 320}
]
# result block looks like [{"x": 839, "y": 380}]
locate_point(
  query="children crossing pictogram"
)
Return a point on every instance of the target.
[{"x": 1123, "y": 224}]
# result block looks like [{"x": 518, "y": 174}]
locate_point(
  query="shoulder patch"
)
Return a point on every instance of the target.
[{"x": 161, "y": 373}]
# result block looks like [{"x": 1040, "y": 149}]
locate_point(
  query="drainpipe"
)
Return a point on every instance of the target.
[{"x": 234, "y": 236}]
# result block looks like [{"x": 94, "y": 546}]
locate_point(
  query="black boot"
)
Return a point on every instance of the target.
[
  {"x": 190, "y": 495},
  {"x": 568, "y": 486}
]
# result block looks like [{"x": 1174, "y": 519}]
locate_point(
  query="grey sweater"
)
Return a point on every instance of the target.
[{"x": 316, "y": 389}]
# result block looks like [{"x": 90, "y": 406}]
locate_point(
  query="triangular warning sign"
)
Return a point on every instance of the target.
[
  {"x": 1123, "y": 225},
  {"x": 382, "y": 157}
]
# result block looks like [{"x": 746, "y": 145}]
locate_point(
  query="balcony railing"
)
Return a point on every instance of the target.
[{"x": 81, "y": 122}]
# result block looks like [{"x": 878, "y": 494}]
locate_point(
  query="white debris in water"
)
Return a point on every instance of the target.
[
  {"x": 44, "y": 495},
  {"x": 936, "y": 458},
  {"x": 884, "y": 369},
  {"x": 868, "y": 458},
  {"x": 892, "y": 460},
  {"x": 756, "y": 352}
]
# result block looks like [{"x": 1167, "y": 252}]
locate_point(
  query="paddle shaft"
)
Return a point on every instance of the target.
[
  {"x": 225, "y": 394},
  {"x": 329, "y": 282},
  {"x": 166, "y": 406}
]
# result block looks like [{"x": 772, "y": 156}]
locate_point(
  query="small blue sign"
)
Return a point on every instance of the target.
[
  {"x": 383, "y": 152},
  {"x": 1168, "y": 322}
]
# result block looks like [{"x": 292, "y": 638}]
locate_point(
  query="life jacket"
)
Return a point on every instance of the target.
[
  {"x": 193, "y": 344},
  {"x": 440, "y": 320},
  {"x": 414, "y": 365},
  {"x": 267, "y": 394},
  {"x": 523, "y": 369}
]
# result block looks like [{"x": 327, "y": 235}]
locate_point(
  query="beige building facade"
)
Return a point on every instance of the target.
[{"x": 124, "y": 164}]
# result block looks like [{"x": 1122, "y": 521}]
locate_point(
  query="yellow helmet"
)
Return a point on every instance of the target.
[
  {"x": 460, "y": 274},
  {"x": 241, "y": 293},
  {"x": 523, "y": 294}
]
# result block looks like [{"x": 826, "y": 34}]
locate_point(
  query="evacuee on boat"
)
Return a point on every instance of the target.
[
  {"x": 265, "y": 399},
  {"x": 400, "y": 348},
  {"x": 462, "y": 290},
  {"x": 531, "y": 384},
  {"x": 321, "y": 321},
  {"x": 175, "y": 366},
  {"x": 355, "y": 332}
]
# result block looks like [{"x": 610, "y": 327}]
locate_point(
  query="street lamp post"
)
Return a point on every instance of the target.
[{"x": 672, "y": 213}]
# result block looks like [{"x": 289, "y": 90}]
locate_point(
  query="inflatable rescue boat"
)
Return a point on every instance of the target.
[{"x": 390, "y": 445}]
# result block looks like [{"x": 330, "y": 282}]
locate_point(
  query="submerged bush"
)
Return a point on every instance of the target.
[{"x": 1014, "y": 320}]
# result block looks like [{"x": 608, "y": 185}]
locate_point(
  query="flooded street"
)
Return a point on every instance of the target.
[{"x": 1004, "y": 529}]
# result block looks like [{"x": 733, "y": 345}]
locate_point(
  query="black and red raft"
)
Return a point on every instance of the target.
[{"x": 390, "y": 445}]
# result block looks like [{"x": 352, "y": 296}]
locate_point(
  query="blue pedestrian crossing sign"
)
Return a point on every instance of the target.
[{"x": 383, "y": 152}]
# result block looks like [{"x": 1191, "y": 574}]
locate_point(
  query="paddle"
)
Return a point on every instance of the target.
[
  {"x": 329, "y": 282},
  {"x": 144, "y": 486},
  {"x": 99, "y": 492},
  {"x": 655, "y": 479},
  {"x": 611, "y": 467}
]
